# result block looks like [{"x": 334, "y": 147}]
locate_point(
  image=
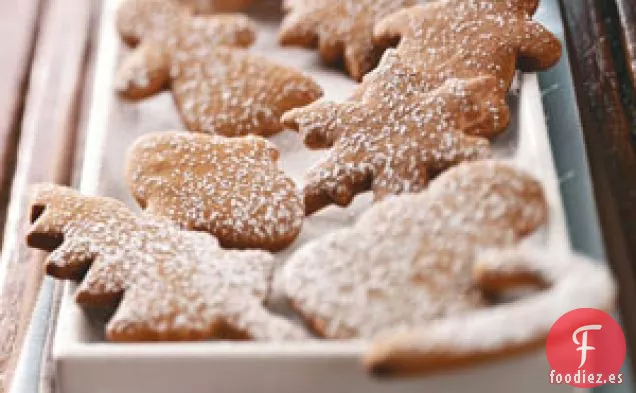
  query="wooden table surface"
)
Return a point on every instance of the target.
[
  {"x": 47, "y": 61},
  {"x": 600, "y": 39}
]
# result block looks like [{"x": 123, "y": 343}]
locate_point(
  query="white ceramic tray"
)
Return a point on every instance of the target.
[{"x": 85, "y": 363}]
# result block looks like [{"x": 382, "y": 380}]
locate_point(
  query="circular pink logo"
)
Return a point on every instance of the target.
[{"x": 586, "y": 348}]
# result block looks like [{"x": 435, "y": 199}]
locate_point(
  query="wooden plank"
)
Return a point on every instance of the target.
[
  {"x": 46, "y": 372},
  {"x": 606, "y": 126},
  {"x": 18, "y": 25},
  {"x": 627, "y": 11},
  {"x": 45, "y": 153}
]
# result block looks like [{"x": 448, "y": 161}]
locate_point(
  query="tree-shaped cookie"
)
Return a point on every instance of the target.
[
  {"x": 468, "y": 38},
  {"x": 341, "y": 29},
  {"x": 229, "y": 187},
  {"x": 173, "y": 284},
  {"x": 566, "y": 282},
  {"x": 409, "y": 259},
  {"x": 217, "y": 87},
  {"x": 397, "y": 136}
]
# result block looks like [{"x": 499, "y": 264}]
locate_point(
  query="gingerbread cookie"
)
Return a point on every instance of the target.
[
  {"x": 566, "y": 283},
  {"x": 137, "y": 19},
  {"x": 340, "y": 28},
  {"x": 208, "y": 6},
  {"x": 467, "y": 38},
  {"x": 173, "y": 284},
  {"x": 158, "y": 19},
  {"x": 217, "y": 87},
  {"x": 409, "y": 259},
  {"x": 398, "y": 137},
  {"x": 229, "y": 187}
]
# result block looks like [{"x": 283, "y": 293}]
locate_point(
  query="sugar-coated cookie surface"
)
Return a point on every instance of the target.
[
  {"x": 218, "y": 88},
  {"x": 207, "y": 6},
  {"x": 469, "y": 38},
  {"x": 341, "y": 29},
  {"x": 138, "y": 18},
  {"x": 398, "y": 135},
  {"x": 160, "y": 20},
  {"x": 230, "y": 187},
  {"x": 409, "y": 259},
  {"x": 171, "y": 284},
  {"x": 566, "y": 282}
]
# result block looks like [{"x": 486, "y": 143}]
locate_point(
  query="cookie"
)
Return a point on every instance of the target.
[
  {"x": 397, "y": 138},
  {"x": 566, "y": 282},
  {"x": 208, "y": 6},
  {"x": 136, "y": 19},
  {"x": 409, "y": 259},
  {"x": 217, "y": 87},
  {"x": 170, "y": 284},
  {"x": 468, "y": 38},
  {"x": 229, "y": 187},
  {"x": 341, "y": 29},
  {"x": 139, "y": 19}
]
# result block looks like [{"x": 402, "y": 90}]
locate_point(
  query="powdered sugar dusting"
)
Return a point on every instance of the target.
[
  {"x": 137, "y": 19},
  {"x": 409, "y": 259},
  {"x": 343, "y": 28},
  {"x": 206, "y": 6},
  {"x": 233, "y": 93},
  {"x": 231, "y": 188},
  {"x": 572, "y": 282},
  {"x": 169, "y": 20},
  {"x": 397, "y": 135},
  {"x": 178, "y": 285},
  {"x": 468, "y": 38},
  {"x": 217, "y": 87}
]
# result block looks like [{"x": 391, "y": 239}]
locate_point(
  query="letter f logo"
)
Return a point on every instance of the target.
[{"x": 583, "y": 344}]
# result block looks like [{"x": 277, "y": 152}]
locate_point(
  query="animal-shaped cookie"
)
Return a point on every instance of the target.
[
  {"x": 172, "y": 284},
  {"x": 565, "y": 283},
  {"x": 217, "y": 87},
  {"x": 342, "y": 29},
  {"x": 397, "y": 137},
  {"x": 467, "y": 38},
  {"x": 229, "y": 187},
  {"x": 409, "y": 259}
]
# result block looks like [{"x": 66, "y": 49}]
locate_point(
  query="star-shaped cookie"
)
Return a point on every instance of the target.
[
  {"x": 468, "y": 38},
  {"x": 397, "y": 136},
  {"x": 171, "y": 284},
  {"x": 217, "y": 87},
  {"x": 341, "y": 29},
  {"x": 229, "y": 187}
]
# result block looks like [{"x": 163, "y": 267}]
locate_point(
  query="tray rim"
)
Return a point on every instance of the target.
[
  {"x": 68, "y": 347},
  {"x": 90, "y": 178}
]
